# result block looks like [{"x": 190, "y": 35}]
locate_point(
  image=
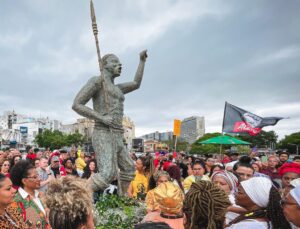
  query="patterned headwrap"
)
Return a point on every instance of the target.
[
  {"x": 229, "y": 177},
  {"x": 169, "y": 198}
]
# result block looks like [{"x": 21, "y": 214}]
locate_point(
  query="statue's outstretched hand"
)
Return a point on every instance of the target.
[{"x": 143, "y": 55}]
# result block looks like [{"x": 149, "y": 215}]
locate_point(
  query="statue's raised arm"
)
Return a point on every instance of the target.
[{"x": 135, "y": 84}]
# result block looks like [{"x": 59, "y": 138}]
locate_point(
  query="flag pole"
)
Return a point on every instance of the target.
[
  {"x": 224, "y": 116},
  {"x": 223, "y": 128}
]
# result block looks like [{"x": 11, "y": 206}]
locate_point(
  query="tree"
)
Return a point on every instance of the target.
[
  {"x": 74, "y": 139},
  {"x": 180, "y": 146},
  {"x": 263, "y": 139},
  {"x": 197, "y": 148},
  {"x": 290, "y": 142},
  {"x": 56, "y": 139}
]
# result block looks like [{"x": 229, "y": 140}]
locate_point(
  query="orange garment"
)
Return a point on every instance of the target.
[{"x": 152, "y": 205}]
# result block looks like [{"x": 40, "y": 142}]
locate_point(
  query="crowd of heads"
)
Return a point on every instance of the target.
[
  {"x": 180, "y": 191},
  {"x": 236, "y": 191},
  {"x": 43, "y": 189}
]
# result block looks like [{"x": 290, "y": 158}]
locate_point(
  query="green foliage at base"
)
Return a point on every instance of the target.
[{"x": 118, "y": 212}]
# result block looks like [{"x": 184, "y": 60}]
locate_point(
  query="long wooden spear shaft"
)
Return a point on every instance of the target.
[{"x": 100, "y": 62}]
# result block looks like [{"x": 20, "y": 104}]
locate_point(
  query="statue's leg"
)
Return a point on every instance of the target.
[
  {"x": 126, "y": 166},
  {"x": 104, "y": 147}
]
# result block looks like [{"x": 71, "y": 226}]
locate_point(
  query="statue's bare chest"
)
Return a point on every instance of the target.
[{"x": 114, "y": 93}]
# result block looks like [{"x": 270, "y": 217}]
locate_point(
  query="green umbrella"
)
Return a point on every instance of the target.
[{"x": 224, "y": 140}]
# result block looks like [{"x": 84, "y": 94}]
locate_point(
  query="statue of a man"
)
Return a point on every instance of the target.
[{"x": 108, "y": 103}]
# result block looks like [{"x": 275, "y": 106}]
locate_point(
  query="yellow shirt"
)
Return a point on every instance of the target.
[
  {"x": 191, "y": 179},
  {"x": 80, "y": 164},
  {"x": 139, "y": 185}
]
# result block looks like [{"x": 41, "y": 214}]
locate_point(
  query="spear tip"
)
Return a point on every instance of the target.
[{"x": 93, "y": 15}]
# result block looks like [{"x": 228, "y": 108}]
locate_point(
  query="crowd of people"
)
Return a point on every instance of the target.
[{"x": 50, "y": 189}]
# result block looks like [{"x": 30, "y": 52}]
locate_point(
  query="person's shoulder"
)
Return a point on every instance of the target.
[
  {"x": 205, "y": 177},
  {"x": 94, "y": 80},
  {"x": 39, "y": 170},
  {"x": 190, "y": 178}
]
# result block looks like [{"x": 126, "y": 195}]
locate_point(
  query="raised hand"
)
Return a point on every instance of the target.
[{"x": 143, "y": 55}]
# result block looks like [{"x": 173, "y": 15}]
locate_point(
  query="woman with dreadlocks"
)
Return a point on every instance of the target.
[
  {"x": 205, "y": 206},
  {"x": 262, "y": 202}
]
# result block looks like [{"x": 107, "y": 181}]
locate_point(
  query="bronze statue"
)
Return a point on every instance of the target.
[{"x": 107, "y": 112}]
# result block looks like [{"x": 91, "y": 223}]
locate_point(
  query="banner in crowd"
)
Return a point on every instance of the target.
[
  {"x": 237, "y": 120},
  {"x": 177, "y": 126}
]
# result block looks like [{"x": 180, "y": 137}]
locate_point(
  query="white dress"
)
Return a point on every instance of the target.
[
  {"x": 249, "y": 224},
  {"x": 231, "y": 215}
]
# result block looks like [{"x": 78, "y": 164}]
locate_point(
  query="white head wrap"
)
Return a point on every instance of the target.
[
  {"x": 258, "y": 190},
  {"x": 295, "y": 193}
]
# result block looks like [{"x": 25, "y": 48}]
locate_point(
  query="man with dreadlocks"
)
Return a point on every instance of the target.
[
  {"x": 205, "y": 206},
  {"x": 262, "y": 202}
]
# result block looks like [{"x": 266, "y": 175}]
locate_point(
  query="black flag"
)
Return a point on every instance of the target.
[{"x": 237, "y": 120}]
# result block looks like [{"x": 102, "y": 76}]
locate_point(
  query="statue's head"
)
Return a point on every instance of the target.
[{"x": 112, "y": 63}]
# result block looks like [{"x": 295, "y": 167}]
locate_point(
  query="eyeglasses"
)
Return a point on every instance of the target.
[{"x": 34, "y": 177}]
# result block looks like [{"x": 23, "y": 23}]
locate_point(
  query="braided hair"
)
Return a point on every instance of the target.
[
  {"x": 205, "y": 205},
  {"x": 273, "y": 212}
]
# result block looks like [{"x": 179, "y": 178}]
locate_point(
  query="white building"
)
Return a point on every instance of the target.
[
  {"x": 157, "y": 136},
  {"x": 22, "y": 129},
  {"x": 9, "y": 118},
  {"x": 129, "y": 131},
  {"x": 85, "y": 127},
  {"x": 166, "y": 136},
  {"x": 29, "y": 130},
  {"x": 152, "y": 136},
  {"x": 192, "y": 128}
]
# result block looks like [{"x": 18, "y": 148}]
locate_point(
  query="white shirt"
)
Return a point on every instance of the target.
[
  {"x": 249, "y": 224},
  {"x": 36, "y": 198}
]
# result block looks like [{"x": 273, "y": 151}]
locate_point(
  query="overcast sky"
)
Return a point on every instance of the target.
[{"x": 201, "y": 54}]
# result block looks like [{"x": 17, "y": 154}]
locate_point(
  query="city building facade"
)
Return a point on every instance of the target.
[
  {"x": 21, "y": 130},
  {"x": 192, "y": 128},
  {"x": 157, "y": 136},
  {"x": 85, "y": 127}
]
